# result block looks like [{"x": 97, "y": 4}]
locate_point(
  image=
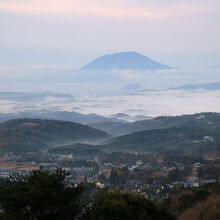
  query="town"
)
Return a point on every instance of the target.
[{"x": 152, "y": 175}]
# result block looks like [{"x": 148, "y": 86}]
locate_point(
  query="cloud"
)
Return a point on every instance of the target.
[
  {"x": 115, "y": 9},
  {"x": 169, "y": 77},
  {"x": 20, "y": 73},
  {"x": 156, "y": 103},
  {"x": 150, "y": 104},
  {"x": 76, "y": 8}
]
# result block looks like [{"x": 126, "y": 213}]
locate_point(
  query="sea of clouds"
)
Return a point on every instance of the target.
[{"x": 91, "y": 94}]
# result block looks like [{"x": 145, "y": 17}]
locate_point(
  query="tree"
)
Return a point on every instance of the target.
[
  {"x": 114, "y": 177},
  {"x": 203, "y": 210},
  {"x": 208, "y": 172},
  {"x": 174, "y": 175},
  {"x": 117, "y": 205},
  {"x": 118, "y": 175},
  {"x": 41, "y": 194}
]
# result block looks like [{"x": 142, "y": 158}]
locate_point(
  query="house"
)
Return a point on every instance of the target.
[
  {"x": 208, "y": 139},
  {"x": 108, "y": 164},
  {"x": 133, "y": 167},
  {"x": 5, "y": 174},
  {"x": 99, "y": 185},
  {"x": 203, "y": 182},
  {"x": 139, "y": 163},
  {"x": 66, "y": 157},
  {"x": 106, "y": 172}
]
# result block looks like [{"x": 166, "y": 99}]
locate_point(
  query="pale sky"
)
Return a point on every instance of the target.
[{"x": 70, "y": 32}]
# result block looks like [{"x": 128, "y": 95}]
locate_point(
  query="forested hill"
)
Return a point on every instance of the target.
[
  {"x": 22, "y": 134},
  {"x": 204, "y": 120},
  {"x": 168, "y": 140},
  {"x": 57, "y": 115}
]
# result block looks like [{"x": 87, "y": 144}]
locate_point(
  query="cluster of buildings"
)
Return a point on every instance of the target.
[
  {"x": 159, "y": 187},
  {"x": 28, "y": 162}
]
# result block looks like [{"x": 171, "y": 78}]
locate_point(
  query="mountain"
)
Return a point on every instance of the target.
[
  {"x": 33, "y": 97},
  {"x": 58, "y": 115},
  {"x": 34, "y": 134},
  {"x": 174, "y": 140},
  {"x": 124, "y": 60},
  {"x": 77, "y": 149},
  {"x": 128, "y": 118},
  {"x": 205, "y": 86},
  {"x": 213, "y": 67},
  {"x": 158, "y": 140},
  {"x": 118, "y": 128},
  {"x": 113, "y": 128},
  {"x": 132, "y": 87}
]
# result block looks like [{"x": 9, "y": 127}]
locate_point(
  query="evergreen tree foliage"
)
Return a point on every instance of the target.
[
  {"x": 39, "y": 195},
  {"x": 116, "y": 205}
]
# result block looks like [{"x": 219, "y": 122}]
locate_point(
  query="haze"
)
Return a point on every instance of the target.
[{"x": 70, "y": 32}]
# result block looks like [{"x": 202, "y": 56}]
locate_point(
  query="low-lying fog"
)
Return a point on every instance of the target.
[
  {"x": 134, "y": 93},
  {"x": 170, "y": 102}
]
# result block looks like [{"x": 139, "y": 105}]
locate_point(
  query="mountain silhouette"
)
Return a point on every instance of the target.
[{"x": 124, "y": 60}]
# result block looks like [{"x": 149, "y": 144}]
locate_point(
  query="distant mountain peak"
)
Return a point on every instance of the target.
[{"x": 124, "y": 60}]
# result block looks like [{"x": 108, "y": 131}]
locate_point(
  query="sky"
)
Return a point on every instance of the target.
[{"x": 182, "y": 33}]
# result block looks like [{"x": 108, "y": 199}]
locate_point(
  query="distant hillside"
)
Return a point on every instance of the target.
[
  {"x": 31, "y": 97},
  {"x": 33, "y": 134},
  {"x": 77, "y": 149},
  {"x": 199, "y": 120},
  {"x": 129, "y": 118},
  {"x": 205, "y": 86},
  {"x": 58, "y": 115},
  {"x": 176, "y": 140},
  {"x": 124, "y": 60}
]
